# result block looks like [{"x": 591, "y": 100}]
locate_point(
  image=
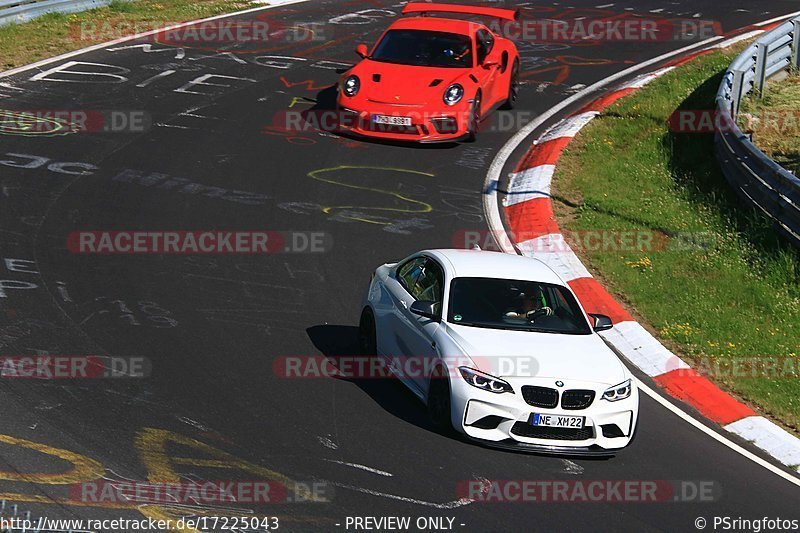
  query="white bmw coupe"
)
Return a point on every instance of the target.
[{"x": 500, "y": 350}]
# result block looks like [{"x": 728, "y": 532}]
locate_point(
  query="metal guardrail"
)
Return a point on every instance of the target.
[
  {"x": 757, "y": 179},
  {"x": 18, "y": 11}
]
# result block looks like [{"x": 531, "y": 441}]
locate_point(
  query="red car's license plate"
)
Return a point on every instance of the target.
[{"x": 393, "y": 121}]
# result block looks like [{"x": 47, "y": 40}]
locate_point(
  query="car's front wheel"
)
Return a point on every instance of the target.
[
  {"x": 367, "y": 340},
  {"x": 439, "y": 406}
]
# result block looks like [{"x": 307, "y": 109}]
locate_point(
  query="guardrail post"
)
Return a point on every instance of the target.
[
  {"x": 736, "y": 92},
  {"x": 760, "y": 81},
  {"x": 796, "y": 44}
]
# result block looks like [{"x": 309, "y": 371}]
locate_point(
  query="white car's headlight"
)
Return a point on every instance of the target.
[
  {"x": 484, "y": 381},
  {"x": 351, "y": 85},
  {"x": 618, "y": 392},
  {"x": 453, "y": 94}
]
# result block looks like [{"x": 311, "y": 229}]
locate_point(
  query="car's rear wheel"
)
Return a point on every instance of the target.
[
  {"x": 439, "y": 406},
  {"x": 474, "y": 118},
  {"x": 513, "y": 87},
  {"x": 367, "y": 340}
]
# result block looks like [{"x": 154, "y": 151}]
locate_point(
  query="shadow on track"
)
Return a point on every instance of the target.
[{"x": 336, "y": 342}]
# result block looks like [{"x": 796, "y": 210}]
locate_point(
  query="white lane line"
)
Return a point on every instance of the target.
[
  {"x": 716, "y": 436},
  {"x": 776, "y": 19},
  {"x": 446, "y": 505},
  {"x": 362, "y": 467}
]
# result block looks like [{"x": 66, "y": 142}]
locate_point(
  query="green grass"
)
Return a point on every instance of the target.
[
  {"x": 775, "y": 121},
  {"x": 56, "y": 33},
  {"x": 737, "y": 292}
]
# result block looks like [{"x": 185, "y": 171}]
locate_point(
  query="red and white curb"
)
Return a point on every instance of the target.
[{"x": 529, "y": 218}]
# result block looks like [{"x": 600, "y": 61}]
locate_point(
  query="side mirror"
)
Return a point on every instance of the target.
[
  {"x": 361, "y": 50},
  {"x": 489, "y": 63},
  {"x": 601, "y": 322},
  {"x": 426, "y": 309}
]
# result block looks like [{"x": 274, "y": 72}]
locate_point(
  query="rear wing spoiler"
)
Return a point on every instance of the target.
[{"x": 494, "y": 12}]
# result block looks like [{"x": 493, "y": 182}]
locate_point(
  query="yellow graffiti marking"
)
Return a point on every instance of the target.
[
  {"x": 30, "y": 125},
  {"x": 152, "y": 445},
  {"x": 300, "y": 100},
  {"x": 422, "y": 207},
  {"x": 83, "y": 468}
]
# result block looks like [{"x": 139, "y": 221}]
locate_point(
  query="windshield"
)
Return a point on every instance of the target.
[
  {"x": 424, "y": 48},
  {"x": 519, "y": 305}
]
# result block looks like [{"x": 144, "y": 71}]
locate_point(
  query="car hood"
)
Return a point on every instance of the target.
[
  {"x": 391, "y": 83},
  {"x": 510, "y": 353}
]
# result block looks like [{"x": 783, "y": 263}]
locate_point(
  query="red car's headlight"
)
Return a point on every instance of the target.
[
  {"x": 351, "y": 85},
  {"x": 453, "y": 94}
]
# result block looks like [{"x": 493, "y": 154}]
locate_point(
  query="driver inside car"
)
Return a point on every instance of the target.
[{"x": 530, "y": 305}]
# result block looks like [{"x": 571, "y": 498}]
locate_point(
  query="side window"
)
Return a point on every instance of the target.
[
  {"x": 433, "y": 284},
  {"x": 484, "y": 42},
  {"x": 409, "y": 272},
  {"x": 423, "y": 279},
  {"x": 559, "y": 305}
]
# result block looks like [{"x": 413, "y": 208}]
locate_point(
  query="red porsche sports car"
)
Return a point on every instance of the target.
[{"x": 430, "y": 79}]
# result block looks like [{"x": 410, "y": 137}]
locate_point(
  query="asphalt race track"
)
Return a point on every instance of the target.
[{"x": 213, "y": 326}]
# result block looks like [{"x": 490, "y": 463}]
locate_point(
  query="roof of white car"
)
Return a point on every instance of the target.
[{"x": 484, "y": 264}]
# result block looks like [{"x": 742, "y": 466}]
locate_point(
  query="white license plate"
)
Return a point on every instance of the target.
[
  {"x": 557, "y": 421},
  {"x": 394, "y": 121}
]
